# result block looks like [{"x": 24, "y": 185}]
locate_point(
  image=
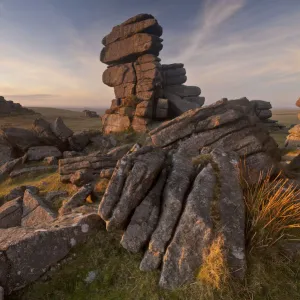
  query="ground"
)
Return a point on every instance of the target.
[
  {"x": 117, "y": 274},
  {"x": 73, "y": 119}
]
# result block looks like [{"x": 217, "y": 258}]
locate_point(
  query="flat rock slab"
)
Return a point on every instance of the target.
[
  {"x": 29, "y": 252},
  {"x": 145, "y": 218},
  {"x": 193, "y": 234},
  {"x": 41, "y": 152},
  {"x": 134, "y": 46},
  {"x": 174, "y": 193},
  {"x": 29, "y": 170}
]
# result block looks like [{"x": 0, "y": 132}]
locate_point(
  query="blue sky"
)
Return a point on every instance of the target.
[{"x": 49, "y": 50}]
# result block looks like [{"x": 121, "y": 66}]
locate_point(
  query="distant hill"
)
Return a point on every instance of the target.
[{"x": 73, "y": 119}]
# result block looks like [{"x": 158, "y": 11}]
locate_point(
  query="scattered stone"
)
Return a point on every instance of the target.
[
  {"x": 52, "y": 196},
  {"x": 18, "y": 192},
  {"x": 91, "y": 277},
  {"x": 79, "y": 140},
  {"x": 11, "y": 213},
  {"x": 9, "y": 166},
  {"x": 82, "y": 177},
  {"x": 77, "y": 199},
  {"x": 20, "y": 138},
  {"x": 41, "y": 152},
  {"x": 60, "y": 130},
  {"x": 31, "y": 251},
  {"x": 90, "y": 114},
  {"x": 51, "y": 161}
]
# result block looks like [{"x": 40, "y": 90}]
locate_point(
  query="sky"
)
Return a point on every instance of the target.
[{"x": 49, "y": 49}]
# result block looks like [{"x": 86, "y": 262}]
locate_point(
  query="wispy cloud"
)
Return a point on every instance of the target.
[{"x": 227, "y": 59}]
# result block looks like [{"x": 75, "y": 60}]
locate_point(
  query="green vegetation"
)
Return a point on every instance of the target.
[
  {"x": 272, "y": 216},
  {"x": 46, "y": 182},
  {"x": 73, "y": 119}
]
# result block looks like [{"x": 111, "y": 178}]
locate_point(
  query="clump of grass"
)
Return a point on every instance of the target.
[
  {"x": 272, "y": 211},
  {"x": 214, "y": 271}
]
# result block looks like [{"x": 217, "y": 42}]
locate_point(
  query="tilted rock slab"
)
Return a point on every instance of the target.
[
  {"x": 145, "y": 168},
  {"x": 27, "y": 253}
]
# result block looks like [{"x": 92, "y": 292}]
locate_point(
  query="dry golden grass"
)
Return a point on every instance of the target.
[
  {"x": 214, "y": 271},
  {"x": 272, "y": 211},
  {"x": 46, "y": 182}
]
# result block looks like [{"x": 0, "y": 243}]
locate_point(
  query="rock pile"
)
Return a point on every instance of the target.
[
  {"x": 145, "y": 90},
  {"x": 46, "y": 141},
  {"x": 181, "y": 193},
  {"x": 33, "y": 237},
  {"x": 8, "y": 108},
  {"x": 90, "y": 114}
]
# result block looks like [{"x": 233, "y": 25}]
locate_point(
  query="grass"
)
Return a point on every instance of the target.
[
  {"x": 272, "y": 216},
  {"x": 46, "y": 182},
  {"x": 73, "y": 119},
  {"x": 272, "y": 212}
]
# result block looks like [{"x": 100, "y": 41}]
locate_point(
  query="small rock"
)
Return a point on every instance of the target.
[
  {"x": 91, "y": 277},
  {"x": 81, "y": 177},
  {"x": 51, "y": 161},
  {"x": 77, "y": 199}
]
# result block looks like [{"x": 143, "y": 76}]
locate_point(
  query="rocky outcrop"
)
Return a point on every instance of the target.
[
  {"x": 190, "y": 196},
  {"x": 177, "y": 209},
  {"x": 138, "y": 78},
  {"x": 9, "y": 108}
]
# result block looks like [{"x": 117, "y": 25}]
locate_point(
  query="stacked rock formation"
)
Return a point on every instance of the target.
[
  {"x": 293, "y": 139},
  {"x": 145, "y": 90},
  {"x": 8, "y": 108},
  {"x": 181, "y": 193}
]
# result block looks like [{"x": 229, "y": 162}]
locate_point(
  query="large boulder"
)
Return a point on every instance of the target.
[
  {"x": 115, "y": 123},
  {"x": 144, "y": 23},
  {"x": 43, "y": 131},
  {"x": 119, "y": 74},
  {"x": 60, "y": 130},
  {"x": 20, "y": 138},
  {"x": 27, "y": 253},
  {"x": 134, "y": 46}
]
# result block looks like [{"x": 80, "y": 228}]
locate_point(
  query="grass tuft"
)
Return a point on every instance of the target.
[
  {"x": 214, "y": 271},
  {"x": 272, "y": 212}
]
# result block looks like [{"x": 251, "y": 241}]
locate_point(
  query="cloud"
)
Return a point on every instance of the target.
[
  {"x": 68, "y": 68},
  {"x": 227, "y": 59}
]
